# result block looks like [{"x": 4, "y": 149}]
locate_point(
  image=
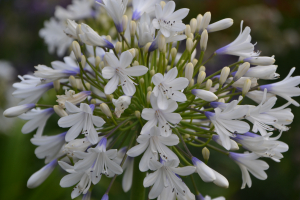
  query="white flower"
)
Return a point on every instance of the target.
[
  {"x": 29, "y": 90},
  {"x": 200, "y": 197},
  {"x": 142, "y": 6},
  {"x": 99, "y": 161},
  {"x": 115, "y": 9},
  {"x": 248, "y": 162},
  {"x": 18, "y": 110},
  {"x": 40, "y": 176},
  {"x": 174, "y": 37},
  {"x": 71, "y": 29},
  {"x": 167, "y": 86},
  {"x": 165, "y": 176},
  {"x": 205, "y": 172},
  {"x": 118, "y": 70},
  {"x": 49, "y": 146},
  {"x": 146, "y": 30},
  {"x": 241, "y": 46},
  {"x": 233, "y": 145},
  {"x": 83, "y": 177},
  {"x": 82, "y": 120},
  {"x": 76, "y": 145},
  {"x": 226, "y": 123},
  {"x": 121, "y": 104},
  {"x": 263, "y": 72},
  {"x": 204, "y": 94},
  {"x": 71, "y": 97},
  {"x": 164, "y": 118},
  {"x": 169, "y": 21},
  {"x": 154, "y": 145},
  {"x": 260, "y": 60},
  {"x": 54, "y": 36},
  {"x": 79, "y": 9},
  {"x": 286, "y": 88},
  {"x": 257, "y": 95},
  {"x": 90, "y": 37},
  {"x": 37, "y": 120},
  {"x": 169, "y": 194}
]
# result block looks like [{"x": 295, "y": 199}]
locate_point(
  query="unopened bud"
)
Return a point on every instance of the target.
[
  {"x": 161, "y": 43},
  {"x": 246, "y": 87},
  {"x": 222, "y": 100},
  {"x": 93, "y": 101},
  {"x": 191, "y": 36},
  {"x": 220, "y": 25},
  {"x": 83, "y": 61},
  {"x": 193, "y": 25},
  {"x": 173, "y": 52},
  {"x": 195, "y": 61},
  {"x": 79, "y": 84},
  {"x": 189, "y": 70},
  {"x": 201, "y": 77},
  {"x": 102, "y": 65},
  {"x": 97, "y": 61},
  {"x": 77, "y": 51},
  {"x": 105, "y": 109},
  {"x": 224, "y": 75},
  {"x": 137, "y": 53},
  {"x": 168, "y": 68},
  {"x": 186, "y": 136},
  {"x": 191, "y": 83},
  {"x": 205, "y": 153},
  {"x": 162, "y": 4},
  {"x": 199, "y": 20},
  {"x": 137, "y": 114},
  {"x": 73, "y": 82},
  {"x": 132, "y": 51},
  {"x": 189, "y": 45},
  {"x": 108, "y": 38},
  {"x": 124, "y": 22},
  {"x": 109, "y": 97},
  {"x": 187, "y": 30},
  {"x": 203, "y": 41},
  {"x": 149, "y": 89},
  {"x": 208, "y": 84},
  {"x": 148, "y": 96},
  {"x": 78, "y": 31},
  {"x": 205, "y": 21},
  {"x": 142, "y": 81},
  {"x": 56, "y": 85},
  {"x": 204, "y": 95},
  {"x": 132, "y": 28},
  {"x": 242, "y": 70},
  {"x": 135, "y": 63},
  {"x": 152, "y": 72},
  {"x": 18, "y": 110},
  {"x": 146, "y": 48},
  {"x": 88, "y": 86},
  {"x": 59, "y": 111},
  {"x": 118, "y": 47},
  {"x": 260, "y": 60}
]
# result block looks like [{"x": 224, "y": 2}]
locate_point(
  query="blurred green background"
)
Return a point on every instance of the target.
[{"x": 275, "y": 27}]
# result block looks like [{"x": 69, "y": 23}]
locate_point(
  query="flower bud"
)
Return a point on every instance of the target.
[
  {"x": 142, "y": 81},
  {"x": 132, "y": 51},
  {"x": 40, "y": 176},
  {"x": 205, "y": 21},
  {"x": 77, "y": 51},
  {"x": 195, "y": 61},
  {"x": 137, "y": 53},
  {"x": 189, "y": 70},
  {"x": 173, "y": 52},
  {"x": 88, "y": 86},
  {"x": 186, "y": 136},
  {"x": 83, "y": 61},
  {"x": 108, "y": 38},
  {"x": 93, "y": 101},
  {"x": 162, "y": 4},
  {"x": 97, "y": 61},
  {"x": 261, "y": 60},
  {"x": 199, "y": 20},
  {"x": 59, "y": 111},
  {"x": 149, "y": 89},
  {"x": 222, "y": 100},
  {"x": 105, "y": 197},
  {"x": 109, "y": 97},
  {"x": 18, "y": 110},
  {"x": 148, "y": 96},
  {"x": 152, "y": 72},
  {"x": 132, "y": 28},
  {"x": 102, "y": 65},
  {"x": 56, "y": 85},
  {"x": 161, "y": 43},
  {"x": 137, "y": 114},
  {"x": 118, "y": 47},
  {"x": 189, "y": 45},
  {"x": 208, "y": 84},
  {"x": 203, "y": 41},
  {"x": 202, "y": 68},
  {"x": 168, "y": 68},
  {"x": 191, "y": 35},
  {"x": 192, "y": 82},
  {"x": 193, "y": 25},
  {"x": 241, "y": 71},
  {"x": 78, "y": 31},
  {"x": 73, "y": 82},
  {"x": 147, "y": 46},
  {"x": 205, "y": 154},
  {"x": 204, "y": 95},
  {"x": 124, "y": 22},
  {"x": 105, "y": 109},
  {"x": 220, "y": 181},
  {"x": 79, "y": 84},
  {"x": 219, "y": 25},
  {"x": 224, "y": 75},
  {"x": 246, "y": 87},
  {"x": 187, "y": 30},
  {"x": 135, "y": 63},
  {"x": 205, "y": 172},
  {"x": 201, "y": 77}
]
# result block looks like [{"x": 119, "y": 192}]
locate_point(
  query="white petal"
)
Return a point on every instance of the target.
[
  {"x": 125, "y": 59},
  {"x": 108, "y": 72},
  {"x": 137, "y": 150},
  {"x": 112, "y": 85},
  {"x": 136, "y": 70}
]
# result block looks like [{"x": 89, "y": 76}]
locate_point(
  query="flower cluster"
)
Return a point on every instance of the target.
[{"x": 135, "y": 100}]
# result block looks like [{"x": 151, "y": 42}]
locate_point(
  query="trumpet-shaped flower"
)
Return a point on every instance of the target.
[
  {"x": 154, "y": 145},
  {"x": 18, "y": 110},
  {"x": 81, "y": 119},
  {"x": 146, "y": 30},
  {"x": 168, "y": 87},
  {"x": 168, "y": 21},
  {"x": 248, "y": 162},
  {"x": 164, "y": 118},
  {"x": 166, "y": 175},
  {"x": 121, "y": 104},
  {"x": 287, "y": 88},
  {"x": 118, "y": 70},
  {"x": 241, "y": 46}
]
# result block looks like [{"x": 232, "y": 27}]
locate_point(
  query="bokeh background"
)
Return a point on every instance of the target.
[{"x": 275, "y": 27}]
